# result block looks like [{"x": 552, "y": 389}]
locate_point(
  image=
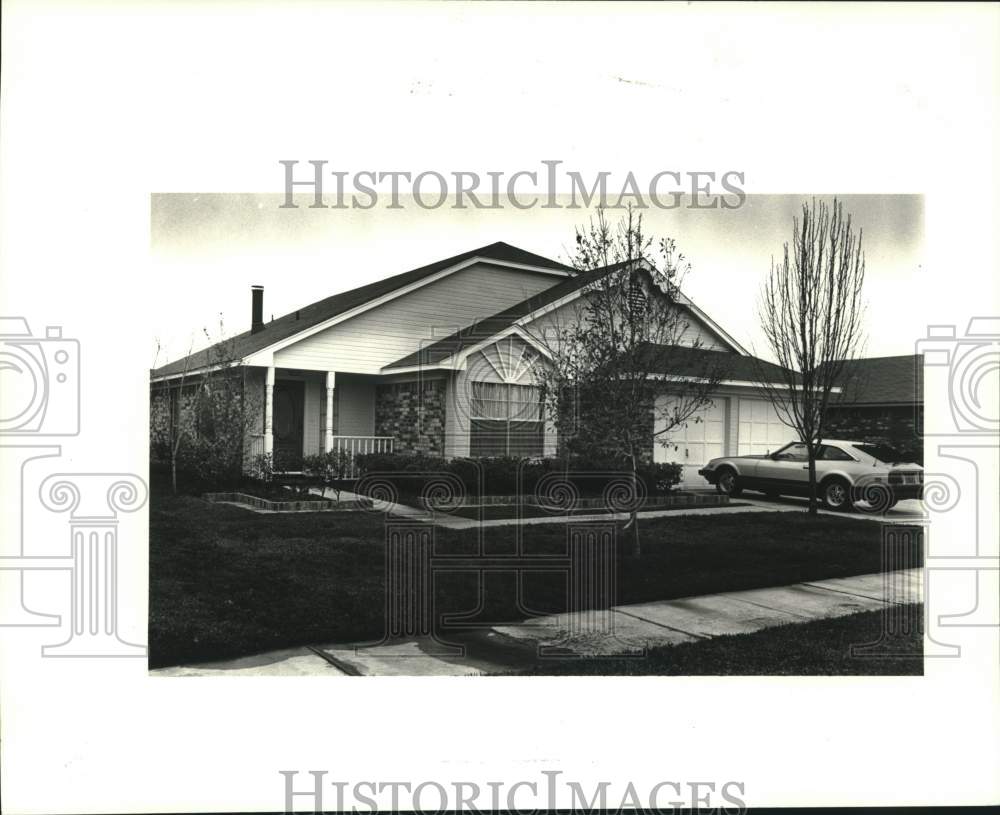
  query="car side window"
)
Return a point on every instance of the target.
[
  {"x": 828, "y": 453},
  {"x": 793, "y": 452}
]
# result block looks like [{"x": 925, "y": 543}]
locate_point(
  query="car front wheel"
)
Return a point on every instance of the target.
[
  {"x": 836, "y": 495},
  {"x": 727, "y": 483}
]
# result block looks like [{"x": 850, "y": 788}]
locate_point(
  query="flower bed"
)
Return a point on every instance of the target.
[{"x": 312, "y": 504}]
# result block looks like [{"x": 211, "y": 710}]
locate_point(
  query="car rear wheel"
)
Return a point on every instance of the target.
[
  {"x": 836, "y": 494},
  {"x": 727, "y": 483}
]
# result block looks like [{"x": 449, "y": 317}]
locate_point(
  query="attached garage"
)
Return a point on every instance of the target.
[
  {"x": 761, "y": 430},
  {"x": 732, "y": 424},
  {"x": 701, "y": 438}
]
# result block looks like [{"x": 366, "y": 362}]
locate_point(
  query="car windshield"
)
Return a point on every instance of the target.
[{"x": 882, "y": 452}]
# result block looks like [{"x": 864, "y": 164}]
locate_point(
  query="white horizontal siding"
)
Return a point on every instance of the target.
[
  {"x": 355, "y": 397},
  {"x": 315, "y": 393},
  {"x": 689, "y": 329},
  {"x": 365, "y": 343}
]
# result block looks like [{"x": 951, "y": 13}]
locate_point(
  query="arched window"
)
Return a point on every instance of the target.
[{"x": 505, "y": 406}]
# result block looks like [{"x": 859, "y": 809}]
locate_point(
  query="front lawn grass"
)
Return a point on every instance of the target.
[
  {"x": 227, "y": 582},
  {"x": 817, "y": 648}
]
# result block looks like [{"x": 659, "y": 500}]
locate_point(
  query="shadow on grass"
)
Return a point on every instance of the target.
[
  {"x": 226, "y": 582},
  {"x": 817, "y": 648}
]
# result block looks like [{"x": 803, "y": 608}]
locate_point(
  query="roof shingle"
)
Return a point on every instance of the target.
[
  {"x": 883, "y": 381},
  {"x": 242, "y": 345}
]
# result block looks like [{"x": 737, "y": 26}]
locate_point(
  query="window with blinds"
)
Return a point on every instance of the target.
[{"x": 506, "y": 420}]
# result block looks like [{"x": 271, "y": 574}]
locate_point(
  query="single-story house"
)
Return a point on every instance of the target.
[
  {"x": 881, "y": 400},
  {"x": 439, "y": 360}
]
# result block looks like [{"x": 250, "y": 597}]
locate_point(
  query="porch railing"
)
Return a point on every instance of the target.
[
  {"x": 254, "y": 449},
  {"x": 352, "y": 444},
  {"x": 362, "y": 444}
]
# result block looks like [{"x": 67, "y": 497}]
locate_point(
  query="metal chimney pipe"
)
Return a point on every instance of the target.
[{"x": 256, "y": 309}]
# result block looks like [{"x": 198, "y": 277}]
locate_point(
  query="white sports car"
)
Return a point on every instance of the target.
[{"x": 846, "y": 472}]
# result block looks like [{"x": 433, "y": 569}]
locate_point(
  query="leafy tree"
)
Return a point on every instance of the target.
[{"x": 622, "y": 374}]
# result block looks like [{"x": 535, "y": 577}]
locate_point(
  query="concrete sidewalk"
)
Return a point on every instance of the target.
[
  {"x": 620, "y": 630},
  {"x": 910, "y": 511}
]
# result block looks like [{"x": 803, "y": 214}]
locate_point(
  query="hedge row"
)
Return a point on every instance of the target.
[{"x": 504, "y": 475}]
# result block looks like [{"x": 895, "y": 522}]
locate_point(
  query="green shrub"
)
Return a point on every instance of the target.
[
  {"x": 506, "y": 475},
  {"x": 333, "y": 465},
  {"x": 400, "y": 462}
]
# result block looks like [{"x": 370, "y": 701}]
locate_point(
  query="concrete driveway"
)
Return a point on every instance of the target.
[{"x": 905, "y": 512}]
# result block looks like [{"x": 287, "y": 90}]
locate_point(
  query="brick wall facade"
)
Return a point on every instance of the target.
[
  {"x": 896, "y": 426},
  {"x": 414, "y": 414}
]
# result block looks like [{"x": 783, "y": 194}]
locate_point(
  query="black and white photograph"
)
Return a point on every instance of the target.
[
  {"x": 498, "y": 406},
  {"x": 502, "y": 462}
]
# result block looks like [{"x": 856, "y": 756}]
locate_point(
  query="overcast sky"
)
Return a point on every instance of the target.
[{"x": 209, "y": 248}]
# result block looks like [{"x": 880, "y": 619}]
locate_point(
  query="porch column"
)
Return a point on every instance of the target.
[
  {"x": 269, "y": 411},
  {"x": 331, "y": 385}
]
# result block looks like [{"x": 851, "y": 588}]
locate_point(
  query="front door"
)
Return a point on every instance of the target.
[{"x": 289, "y": 402}]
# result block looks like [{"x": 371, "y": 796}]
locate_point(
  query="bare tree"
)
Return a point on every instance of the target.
[
  {"x": 618, "y": 380},
  {"x": 811, "y": 311},
  {"x": 199, "y": 419}
]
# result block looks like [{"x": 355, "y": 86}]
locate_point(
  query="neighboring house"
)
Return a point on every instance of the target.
[
  {"x": 439, "y": 360},
  {"x": 882, "y": 400}
]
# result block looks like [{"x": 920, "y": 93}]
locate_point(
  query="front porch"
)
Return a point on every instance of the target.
[{"x": 304, "y": 413}]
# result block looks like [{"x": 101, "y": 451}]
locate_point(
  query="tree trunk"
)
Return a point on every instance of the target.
[
  {"x": 173, "y": 471},
  {"x": 812, "y": 482},
  {"x": 634, "y": 514}
]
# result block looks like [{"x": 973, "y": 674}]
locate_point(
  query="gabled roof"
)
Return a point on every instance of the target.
[
  {"x": 247, "y": 343},
  {"x": 482, "y": 330},
  {"x": 681, "y": 360},
  {"x": 897, "y": 380}
]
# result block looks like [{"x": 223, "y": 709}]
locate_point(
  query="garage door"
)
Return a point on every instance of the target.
[
  {"x": 701, "y": 438},
  {"x": 761, "y": 430}
]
